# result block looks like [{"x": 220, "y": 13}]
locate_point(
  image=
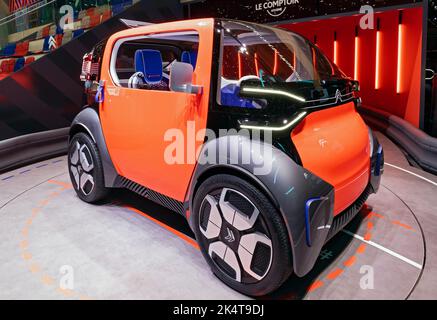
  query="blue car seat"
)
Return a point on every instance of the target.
[
  {"x": 185, "y": 57},
  {"x": 148, "y": 71},
  {"x": 230, "y": 96},
  {"x": 189, "y": 57}
]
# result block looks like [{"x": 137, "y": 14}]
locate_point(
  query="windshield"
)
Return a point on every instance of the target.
[{"x": 272, "y": 57}]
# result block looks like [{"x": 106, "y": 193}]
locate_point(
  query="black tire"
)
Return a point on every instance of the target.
[
  {"x": 87, "y": 170},
  {"x": 268, "y": 225}
]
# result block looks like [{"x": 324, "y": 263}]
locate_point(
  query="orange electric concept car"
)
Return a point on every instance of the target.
[{"x": 248, "y": 131}]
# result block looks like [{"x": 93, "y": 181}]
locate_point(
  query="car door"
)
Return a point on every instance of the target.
[{"x": 137, "y": 122}]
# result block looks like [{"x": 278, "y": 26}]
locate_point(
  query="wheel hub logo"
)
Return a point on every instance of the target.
[
  {"x": 230, "y": 236},
  {"x": 275, "y": 8}
]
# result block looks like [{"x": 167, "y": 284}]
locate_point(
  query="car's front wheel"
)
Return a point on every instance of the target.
[
  {"x": 241, "y": 235},
  {"x": 85, "y": 168}
]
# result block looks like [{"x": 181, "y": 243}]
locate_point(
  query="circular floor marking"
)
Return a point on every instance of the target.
[{"x": 125, "y": 250}]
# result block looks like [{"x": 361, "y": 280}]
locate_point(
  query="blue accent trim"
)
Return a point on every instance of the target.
[
  {"x": 289, "y": 191},
  {"x": 307, "y": 219},
  {"x": 282, "y": 147},
  {"x": 28, "y": 170},
  {"x": 378, "y": 162},
  {"x": 276, "y": 176},
  {"x": 261, "y": 74},
  {"x": 100, "y": 94}
]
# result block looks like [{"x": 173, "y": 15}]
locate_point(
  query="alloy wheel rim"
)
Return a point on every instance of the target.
[
  {"x": 82, "y": 167},
  {"x": 235, "y": 236}
]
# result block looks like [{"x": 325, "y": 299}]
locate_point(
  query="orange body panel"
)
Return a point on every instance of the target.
[
  {"x": 135, "y": 121},
  {"x": 334, "y": 145}
]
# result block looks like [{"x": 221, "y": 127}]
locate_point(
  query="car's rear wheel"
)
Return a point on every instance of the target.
[
  {"x": 241, "y": 235},
  {"x": 85, "y": 168}
]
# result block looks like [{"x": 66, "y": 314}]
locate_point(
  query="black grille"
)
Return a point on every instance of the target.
[
  {"x": 346, "y": 216},
  {"x": 204, "y": 216},
  {"x": 224, "y": 266},
  {"x": 240, "y": 203},
  {"x": 157, "y": 197},
  {"x": 261, "y": 259}
]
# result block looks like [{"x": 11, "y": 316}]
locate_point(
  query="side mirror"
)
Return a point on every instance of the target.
[{"x": 181, "y": 78}]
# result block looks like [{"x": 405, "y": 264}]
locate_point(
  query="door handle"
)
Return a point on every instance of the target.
[{"x": 431, "y": 72}]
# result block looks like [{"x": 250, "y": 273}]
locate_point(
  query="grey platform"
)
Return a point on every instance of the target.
[{"x": 132, "y": 249}]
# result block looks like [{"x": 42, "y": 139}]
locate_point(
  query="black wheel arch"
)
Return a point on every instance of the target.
[
  {"x": 291, "y": 209},
  {"x": 236, "y": 171},
  {"x": 88, "y": 121}
]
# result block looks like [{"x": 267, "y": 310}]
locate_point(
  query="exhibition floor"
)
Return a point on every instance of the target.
[{"x": 131, "y": 248}]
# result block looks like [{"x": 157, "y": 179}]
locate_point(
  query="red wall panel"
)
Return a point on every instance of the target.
[
  {"x": 412, "y": 57},
  {"x": 406, "y": 103}
]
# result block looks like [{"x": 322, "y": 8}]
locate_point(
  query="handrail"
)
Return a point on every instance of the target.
[{"x": 433, "y": 74}]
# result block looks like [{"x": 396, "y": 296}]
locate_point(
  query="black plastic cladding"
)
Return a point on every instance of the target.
[
  {"x": 152, "y": 195},
  {"x": 88, "y": 120},
  {"x": 289, "y": 186}
]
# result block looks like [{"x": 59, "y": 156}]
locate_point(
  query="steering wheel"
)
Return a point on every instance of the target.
[
  {"x": 250, "y": 77},
  {"x": 167, "y": 68}
]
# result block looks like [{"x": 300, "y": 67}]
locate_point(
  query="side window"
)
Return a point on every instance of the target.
[
  {"x": 267, "y": 55},
  {"x": 242, "y": 61},
  {"x": 145, "y": 63}
]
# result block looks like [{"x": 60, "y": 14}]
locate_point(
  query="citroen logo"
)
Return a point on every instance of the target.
[
  {"x": 230, "y": 237},
  {"x": 338, "y": 96},
  {"x": 323, "y": 142}
]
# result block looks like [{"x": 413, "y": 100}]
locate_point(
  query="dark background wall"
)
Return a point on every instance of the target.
[{"x": 254, "y": 10}]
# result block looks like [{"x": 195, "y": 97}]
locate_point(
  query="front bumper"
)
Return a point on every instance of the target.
[
  {"x": 377, "y": 169},
  {"x": 305, "y": 202},
  {"x": 320, "y": 225}
]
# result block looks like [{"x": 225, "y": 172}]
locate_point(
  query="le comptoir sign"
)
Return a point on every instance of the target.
[{"x": 275, "y": 8}]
